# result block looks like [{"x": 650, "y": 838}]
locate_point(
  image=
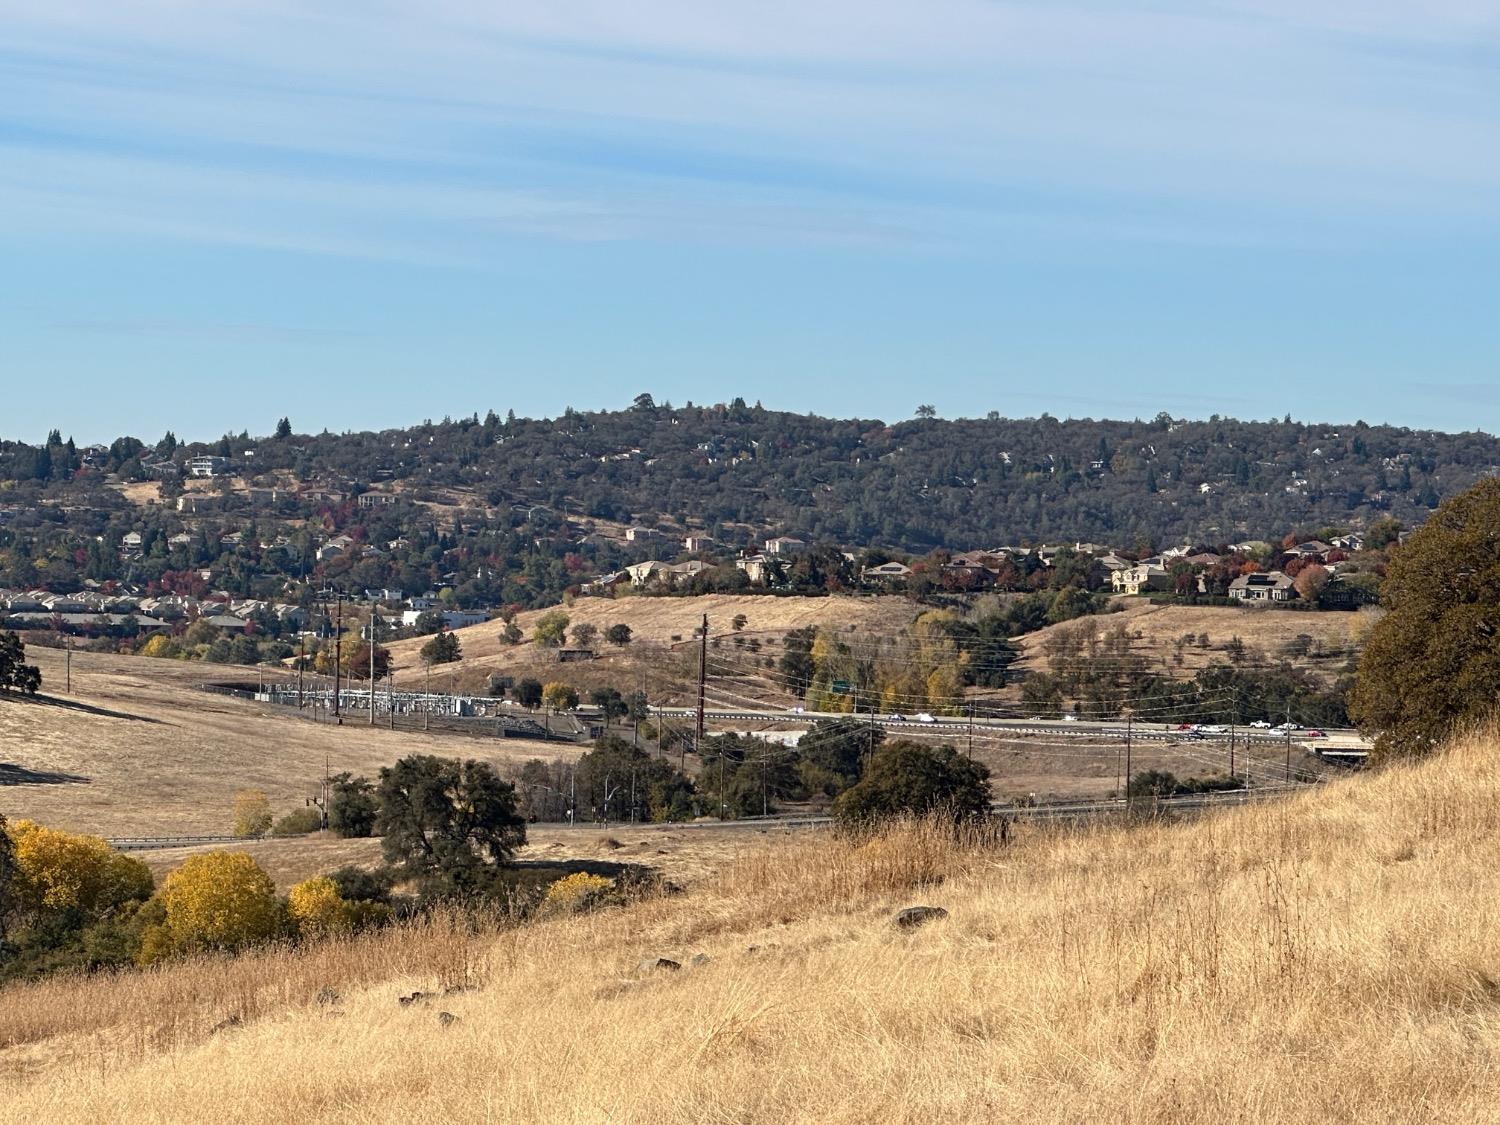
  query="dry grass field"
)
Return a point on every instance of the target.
[
  {"x": 681, "y": 853},
  {"x": 138, "y": 750},
  {"x": 1269, "y": 634},
  {"x": 1331, "y": 958},
  {"x": 656, "y": 624}
]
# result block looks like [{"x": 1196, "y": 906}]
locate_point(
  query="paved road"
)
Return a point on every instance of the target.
[
  {"x": 1065, "y": 810},
  {"x": 1147, "y": 732}
]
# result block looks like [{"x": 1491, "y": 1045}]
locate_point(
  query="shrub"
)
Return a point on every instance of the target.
[
  {"x": 907, "y": 778},
  {"x": 298, "y": 822},
  {"x": 252, "y": 813},
  {"x": 529, "y": 693},
  {"x": 551, "y": 628},
  {"x": 577, "y": 893},
  {"x": 442, "y": 649},
  {"x": 221, "y": 900},
  {"x": 355, "y": 884},
  {"x": 560, "y": 696},
  {"x": 352, "y": 807},
  {"x": 63, "y": 873},
  {"x": 316, "y": 907}
]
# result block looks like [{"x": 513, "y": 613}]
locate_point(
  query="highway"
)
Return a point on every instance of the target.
[{"x": 1035, "y": 727}]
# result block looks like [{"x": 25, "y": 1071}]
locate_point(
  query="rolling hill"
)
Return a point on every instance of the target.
[{"x": 1326, "y": 958}]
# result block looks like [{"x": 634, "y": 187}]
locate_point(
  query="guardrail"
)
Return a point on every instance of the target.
[{"x": 151, "y": 843}]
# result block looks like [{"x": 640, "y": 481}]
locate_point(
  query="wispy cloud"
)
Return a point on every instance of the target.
[{"x": 430, "y": 132}]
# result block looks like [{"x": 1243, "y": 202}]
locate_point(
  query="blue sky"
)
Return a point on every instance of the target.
[{"x": 364, "y": 215}]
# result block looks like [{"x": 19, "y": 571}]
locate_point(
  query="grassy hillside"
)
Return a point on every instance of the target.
[
  {"x": 138, "y": 749},
  {"x": 1331, "y": 958},
  {"x": 1268, "y": 635},
  {"x": 657, "y": 624}
]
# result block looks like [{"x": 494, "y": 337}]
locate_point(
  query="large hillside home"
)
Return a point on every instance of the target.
[
  {"x": 1141, "y": 578},
  {"x": 1272, "y": 586}
]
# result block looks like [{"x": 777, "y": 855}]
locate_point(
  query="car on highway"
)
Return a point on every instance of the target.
[
  {"x": 924, "y": 717},
  {"x": 1261, "y": 724},
  {"x": 1184, "y": 727},
  {"x": 1211, "y": 728},
  {"x": 1070, "y": 718},
  {"x": 1313, "y": 734}
]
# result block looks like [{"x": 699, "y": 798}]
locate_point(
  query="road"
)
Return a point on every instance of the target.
[
  {"x": 1064, "y": 810},
  {"x": 1096, "y": 729}
]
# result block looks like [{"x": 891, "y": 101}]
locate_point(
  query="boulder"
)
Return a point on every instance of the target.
[
  {"x": 914, "y": 916},
  {"x": 652, "y": 964}
]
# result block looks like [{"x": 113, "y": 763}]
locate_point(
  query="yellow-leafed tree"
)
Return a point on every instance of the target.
[
  {"x": 221, "y": 900},
  {"x": 62, "y": 871},
  {"x": 317, "y": 908},
  {"x": 252, "y": 813}
]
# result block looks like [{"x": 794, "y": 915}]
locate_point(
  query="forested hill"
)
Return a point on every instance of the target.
[{"x": 913, "y": 484}]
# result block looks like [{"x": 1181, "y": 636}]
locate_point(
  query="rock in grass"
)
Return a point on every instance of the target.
[
  {"x": 655, "y": 964},
  {"x": 914, "y": 916},
  {"x": 414, "y": 998},
  {"x": 447, "y": 1018}
]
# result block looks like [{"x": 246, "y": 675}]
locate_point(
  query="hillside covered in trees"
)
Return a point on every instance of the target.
[{"x": 739, "y": 471}]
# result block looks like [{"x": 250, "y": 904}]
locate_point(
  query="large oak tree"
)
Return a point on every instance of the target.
[{"x": 1432, "y": 663}]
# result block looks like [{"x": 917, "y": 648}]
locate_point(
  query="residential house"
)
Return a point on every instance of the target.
[
  {"x": 1351, "y": 542},
  {"x": 1113, "y": 562},
  {"x": 1268, "y": 586},
  {"x": 131, "y": 541},
  {"x": 197, "y": 503},
  {"x": 603, "y": 585},
  {"x": 228, "y": 622},
  {"x": 1141, "y": 578},
  {"x": 207, "y": 466},
  {"x": 640, "y": 534},
  {"x": 886, "y": 572},
  {"x": 1203, "y": 558},
  {"x": 755, "y": 568},
  {"x": 682, "y": 572},
  {"x": 383, "y": 594},
  {"x": 643, "y": 572},
  {"x": 696, "y": 544},
  {"x": 181, "y": 539},
  {"x": 376, "y": 499},
  {"x": 1312, "y": 549},
  {"x": 452, "y": 618},
  {"x": 335, "y": 548},
  {"x": 784, "y": 545}
]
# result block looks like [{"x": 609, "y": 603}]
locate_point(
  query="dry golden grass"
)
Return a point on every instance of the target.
[
  {"x": 655, "y": 621},
  {"x": 1333, "y": 958},
  {"x": 681, "y": 853},
  {"x": 1269, "y": 632},
  {"x": 158, "y": 757}
]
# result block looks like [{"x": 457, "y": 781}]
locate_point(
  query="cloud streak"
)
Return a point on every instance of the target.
[{"x": 438, "y": 124}]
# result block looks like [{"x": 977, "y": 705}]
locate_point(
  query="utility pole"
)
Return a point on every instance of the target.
[
  {"x": 374, "y": 617},
  {"x": 1231, "y": 753},
  {"x": 1129, "y": 732},
  {"x": 703, "y": 687},
  {"x": 338, "y": 656},
  {"x": 971, "y": 730},
  {"x": 1288, "y": 757},
  {"x": 390, "y": 697},
  {"x": 301, "y": 663},
  {"x": 68, "y": 659},
  {"x": 426, "y": 695}
]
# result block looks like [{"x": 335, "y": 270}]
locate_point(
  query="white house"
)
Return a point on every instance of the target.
[{"x": 784, "y": 545}]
